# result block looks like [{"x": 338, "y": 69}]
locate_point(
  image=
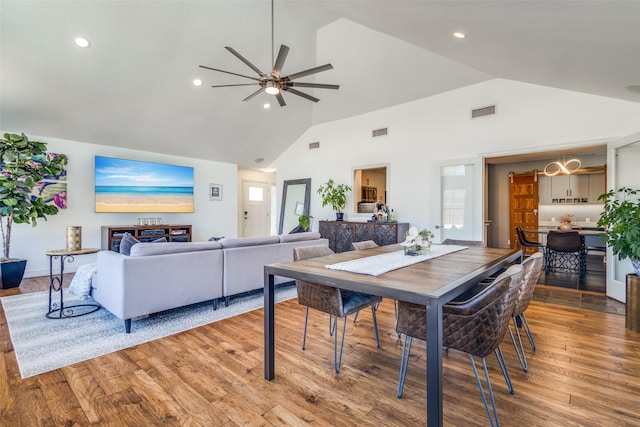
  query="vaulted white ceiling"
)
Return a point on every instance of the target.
[{"x": 133, "y": 86}]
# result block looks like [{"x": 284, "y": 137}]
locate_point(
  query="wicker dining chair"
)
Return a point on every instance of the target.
[
  {"x": 475, "y": 326},
  {"x": 531, "y": 269},
  {"x": 334, "y": 301}
]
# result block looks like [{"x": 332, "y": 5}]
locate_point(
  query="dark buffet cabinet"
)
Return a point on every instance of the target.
[
  {"x": 112, "y": 234},
  {"x": 342, "y": 233}
]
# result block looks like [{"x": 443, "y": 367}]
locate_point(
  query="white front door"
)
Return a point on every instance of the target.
[
  {"x": 460, "y": 205},
  {"x": 256, "y": 209},
  {"x": 623, "y": 157}
]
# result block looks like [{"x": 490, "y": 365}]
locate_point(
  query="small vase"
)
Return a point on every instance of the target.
[
  {"x": 565, "y": 226},
  {"x": 416, "y": 250},
  {"x": 339, "y": 216}
]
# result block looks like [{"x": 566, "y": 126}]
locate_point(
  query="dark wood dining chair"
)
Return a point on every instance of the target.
[
  {"x": 475, "y": 326},
  {"x": 334, "y": 301}
]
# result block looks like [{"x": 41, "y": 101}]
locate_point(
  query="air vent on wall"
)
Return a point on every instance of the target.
[
  {"x": 484, "y": 111},
  {"x": 313, "y": 145},
  {"x": 379, "y": 132}
]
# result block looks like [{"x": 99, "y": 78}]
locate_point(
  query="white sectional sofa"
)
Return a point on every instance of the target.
[{"x": 162, "y": 276}]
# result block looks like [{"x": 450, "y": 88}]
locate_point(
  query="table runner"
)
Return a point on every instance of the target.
[{"x": 383, "y": 263}]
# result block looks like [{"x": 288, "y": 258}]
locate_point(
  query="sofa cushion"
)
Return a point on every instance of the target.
[
  {"x": 126, "y": 243},
  {"x": 249, "y": 241},
  {"x": 298, "y": 237},
  {"x": 147, "y": 249}
]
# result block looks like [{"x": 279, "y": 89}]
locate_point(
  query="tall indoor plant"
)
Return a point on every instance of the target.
[
  {"x": 334, "y": 195},
  {"x": 23, "y": 164},
  {"x": 621, "y": 217}
]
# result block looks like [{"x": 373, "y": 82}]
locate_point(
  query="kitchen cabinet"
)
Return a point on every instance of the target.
[
  {"x": 571, "y": 189},
  {"x": 597, "y": 186}
]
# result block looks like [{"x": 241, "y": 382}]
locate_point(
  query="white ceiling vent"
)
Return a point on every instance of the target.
[
  {"x": 484, "y": 111},
  {"x": 313, "y": 145},
  {"x": 379, "y": 132}
]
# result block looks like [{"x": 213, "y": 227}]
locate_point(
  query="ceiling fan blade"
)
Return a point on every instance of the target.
[
  {"x": 302, "y": 94},
  {"x": 242, "y": 84},
  {"x": 229, "y": 72},
  {"x": 253, "y": 94},
  {"x": 282, "y": 56},
  {"x": 315, "y": 85},
  {"x": 280, "y": 99},
  {"x": 310, "y": 71},
  {"x": 245, "y": 60}
]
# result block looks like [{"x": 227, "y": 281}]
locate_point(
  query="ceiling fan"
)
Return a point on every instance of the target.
[{"x": 274, "y": 83}]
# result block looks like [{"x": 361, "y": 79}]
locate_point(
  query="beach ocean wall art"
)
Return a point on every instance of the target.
[{"x": 135, "y": 186}]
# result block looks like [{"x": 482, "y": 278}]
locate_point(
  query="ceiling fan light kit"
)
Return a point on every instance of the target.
[{"x": 274, "y": 83}]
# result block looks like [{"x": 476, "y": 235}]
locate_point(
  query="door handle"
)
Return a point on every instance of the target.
[{"x": 438, "y": 226}]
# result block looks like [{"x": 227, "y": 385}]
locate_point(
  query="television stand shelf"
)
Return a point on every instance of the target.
[{"x": 112, "y": 234}]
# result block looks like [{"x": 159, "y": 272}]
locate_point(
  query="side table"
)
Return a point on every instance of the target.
[{"x": 59, "y": 310}]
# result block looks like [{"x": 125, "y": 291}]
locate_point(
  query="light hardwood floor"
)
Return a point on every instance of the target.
[{"x": 586, "y": 372}]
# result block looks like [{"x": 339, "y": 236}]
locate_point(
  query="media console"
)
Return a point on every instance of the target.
[{"x": 112, "y": 234}]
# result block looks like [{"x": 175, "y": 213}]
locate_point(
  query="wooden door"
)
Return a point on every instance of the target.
[{"x": 523, "y": 191}]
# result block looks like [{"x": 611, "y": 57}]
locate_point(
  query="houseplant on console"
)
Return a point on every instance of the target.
[
  {"x": 335, "y": 195},
  {"x": 19, "y": 173},
  {"x": 621, "y": 217}
]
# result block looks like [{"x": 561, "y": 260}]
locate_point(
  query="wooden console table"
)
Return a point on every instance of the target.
[
  {"x": 112, "y": 234},
  {"x": 342, "y": 233}
]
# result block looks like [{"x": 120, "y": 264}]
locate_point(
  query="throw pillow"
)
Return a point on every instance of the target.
[
  {"x": 160, "y": 240},
  {"x": 125, "y": 244}
]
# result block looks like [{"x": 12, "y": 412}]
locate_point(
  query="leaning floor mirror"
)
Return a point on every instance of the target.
[{"x": 296, "y": 194}]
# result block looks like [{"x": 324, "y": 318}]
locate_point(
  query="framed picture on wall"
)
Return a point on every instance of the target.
[{"x": 215, "y": 192}]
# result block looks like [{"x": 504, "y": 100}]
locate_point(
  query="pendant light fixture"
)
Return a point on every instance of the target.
[{"x": 565, "y": 167}]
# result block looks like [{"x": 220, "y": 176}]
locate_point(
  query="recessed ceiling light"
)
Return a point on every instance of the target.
[
  {"x": 197, "y": 82},
  {"x": 81, "y": 42},
  {"x": 266, "y": 105},
  {"x": 633, "y": 88},
  {"x": 459, "y": 35},
  {"x": 259, "y": 160}
]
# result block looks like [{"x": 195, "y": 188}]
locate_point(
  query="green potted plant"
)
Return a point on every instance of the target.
[
  {"x": 334, "y": 195},
  {"x": 22, "y": 164},
  {"x": 621, "y": 217}
]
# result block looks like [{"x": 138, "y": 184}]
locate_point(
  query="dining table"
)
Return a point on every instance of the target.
[{"x": 431, "y": 282}]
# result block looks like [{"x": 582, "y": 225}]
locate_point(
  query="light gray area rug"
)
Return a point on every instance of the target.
[{"x": 43, "y": 344}]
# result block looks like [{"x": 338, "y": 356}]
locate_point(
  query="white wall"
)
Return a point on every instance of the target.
[
  {"x": 426, "y": 132},
  {"x": 210, "y": 218}
]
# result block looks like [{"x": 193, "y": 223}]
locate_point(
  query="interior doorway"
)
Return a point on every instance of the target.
[{"x": 256, "y": 209}]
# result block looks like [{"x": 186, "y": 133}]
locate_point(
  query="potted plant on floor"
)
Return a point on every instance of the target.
[
  {"x": 22, "y": 164},
  {"x": 621, "y": 217},
  {"x": 334, "y": 195}
]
